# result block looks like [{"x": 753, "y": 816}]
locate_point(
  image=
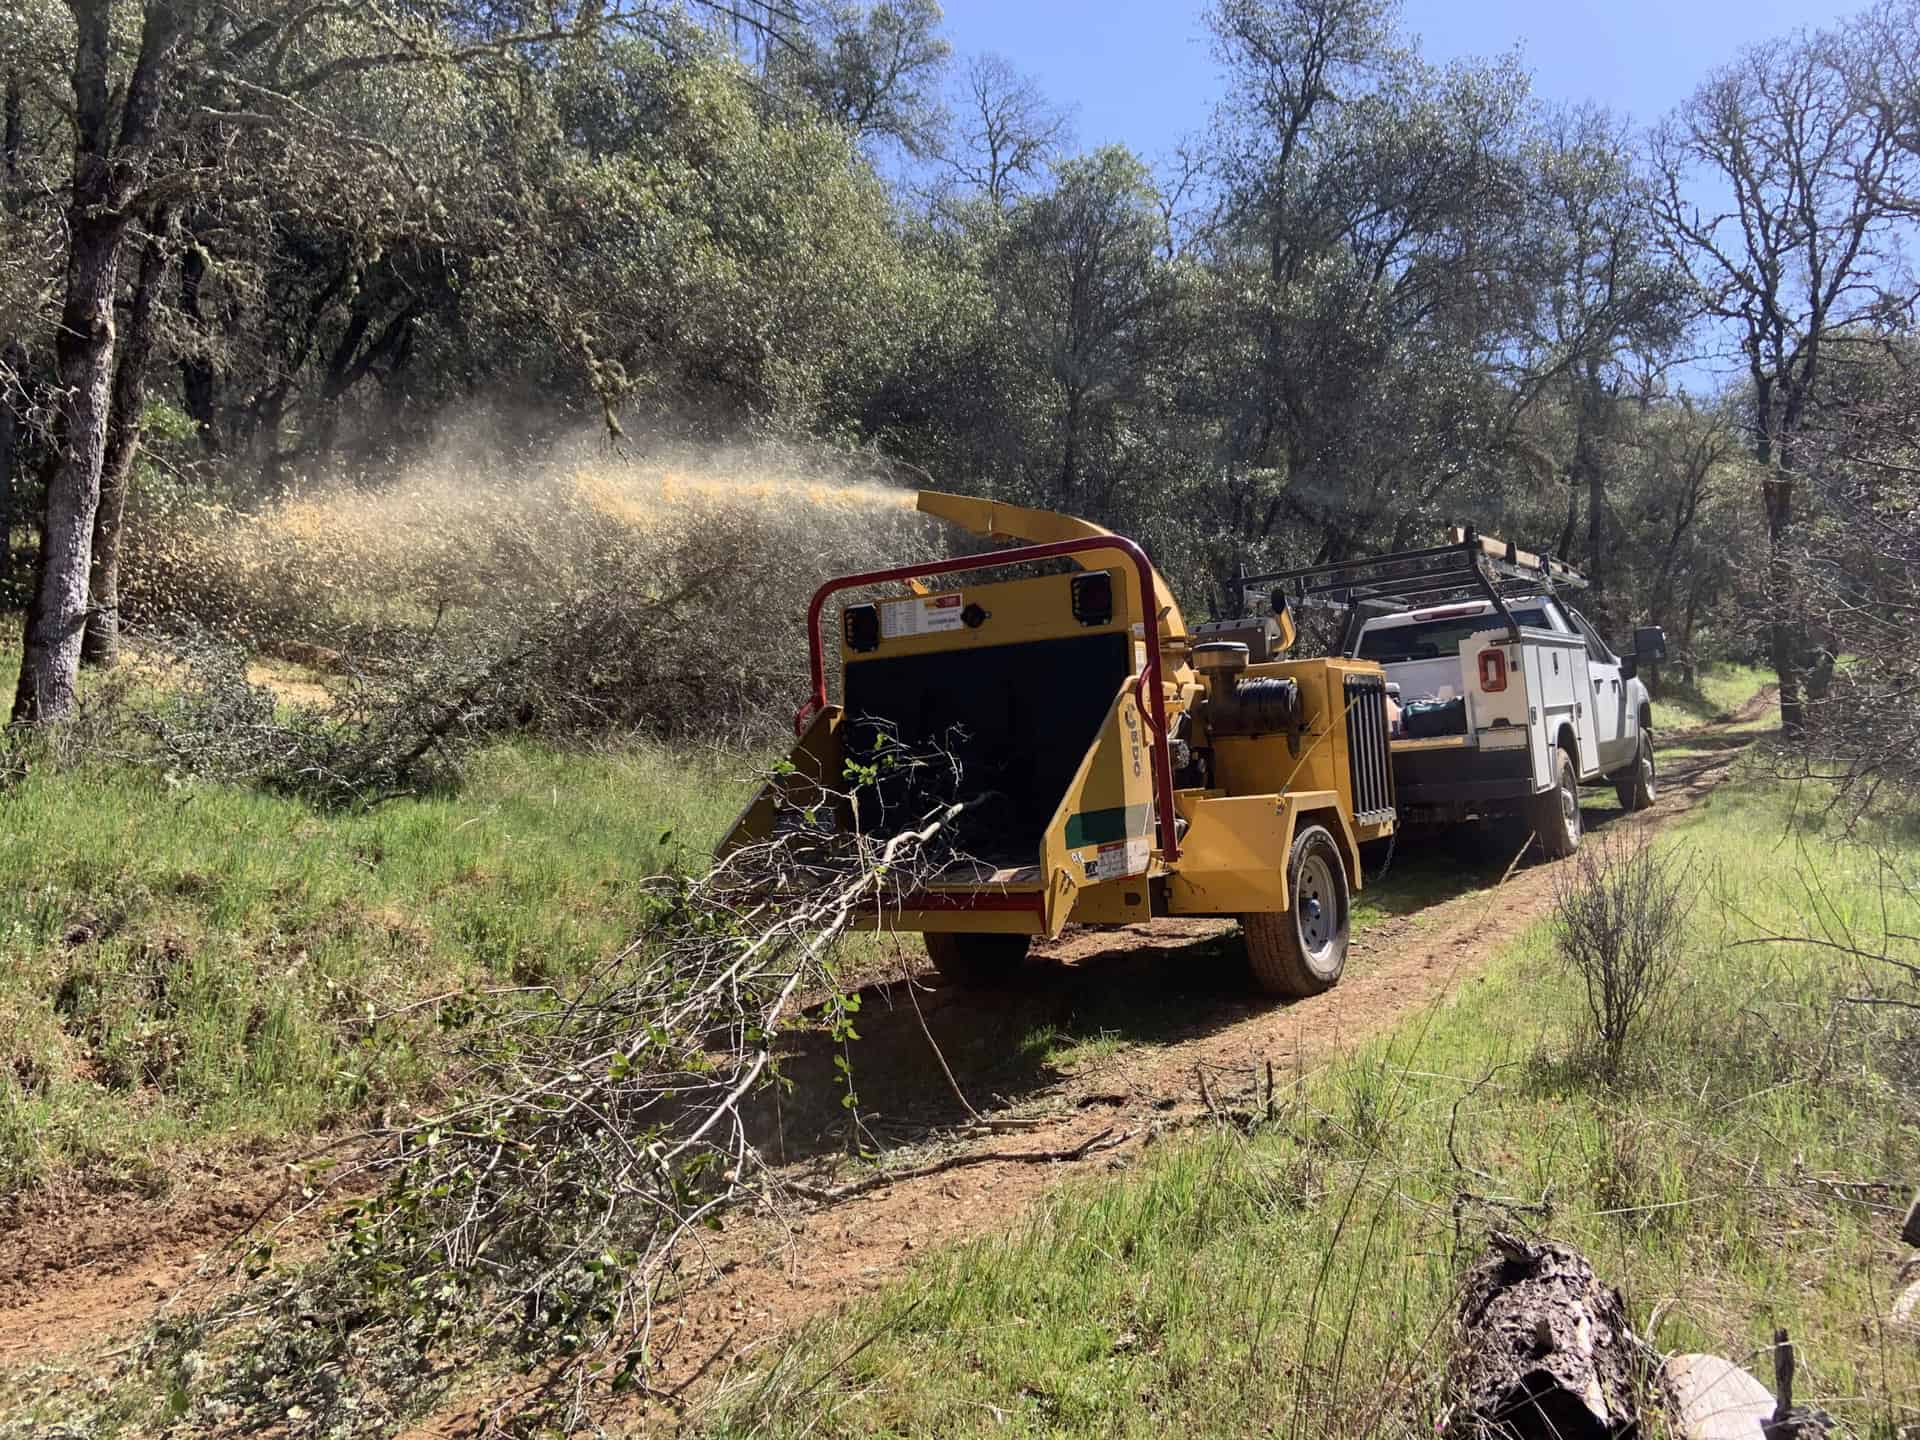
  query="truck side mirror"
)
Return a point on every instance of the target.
[{"x": 1649, "y": 643}]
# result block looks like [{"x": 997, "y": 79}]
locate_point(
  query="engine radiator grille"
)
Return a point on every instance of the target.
[{"x": 1369, "y": 761}]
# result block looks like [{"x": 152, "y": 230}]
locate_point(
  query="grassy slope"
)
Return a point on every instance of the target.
[
  {"x": 200, "y": 963},
  {"x": 1304, "y": 1277}
]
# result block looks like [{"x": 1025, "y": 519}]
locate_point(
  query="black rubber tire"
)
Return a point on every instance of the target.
[
  {"x": 977, "y": 959},
  {"x": 1555, "y": 814},
  {"x": 1302, "y": 950},
  {"x": 1638, "y": 785}
]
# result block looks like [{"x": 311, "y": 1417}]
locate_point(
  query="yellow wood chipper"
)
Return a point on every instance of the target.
[{"x": 1133, "y": 767}]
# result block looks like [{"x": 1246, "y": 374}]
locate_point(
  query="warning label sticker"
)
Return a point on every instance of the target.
[
  {"x": 922, "y": 615},
  {"x": 1116, "y": 859}
]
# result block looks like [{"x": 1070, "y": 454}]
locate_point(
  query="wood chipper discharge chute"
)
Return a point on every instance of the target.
[{"x": 1106, "y": 764}]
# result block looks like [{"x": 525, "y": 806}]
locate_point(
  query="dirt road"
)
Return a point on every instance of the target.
[{"x": 1108, "y": 1042}]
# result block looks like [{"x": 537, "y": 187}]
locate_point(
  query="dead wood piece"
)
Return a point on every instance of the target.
[
  {"x": 1910, "y": 1227},
  {"x": 1711, "y": 1398},
  {"x": 1791, "y": 1421},
  {"x": 1545, "y": 1348},
  {"x": 1906, "y": 1311}
]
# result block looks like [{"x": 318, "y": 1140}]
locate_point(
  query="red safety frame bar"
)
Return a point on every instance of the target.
[{"x": 1147, "y": 689}]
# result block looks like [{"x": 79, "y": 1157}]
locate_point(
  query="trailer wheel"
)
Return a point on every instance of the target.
[
  {"x": 1301, "y": 951},
  {"x": 1635, "y": 785},
  {"x": 976, "y": 959},
  {"x": 1555, "y": 814}
]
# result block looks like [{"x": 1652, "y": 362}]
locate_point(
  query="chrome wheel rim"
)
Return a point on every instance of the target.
[
  {"x": 1570, "y": 811},
  {"x": 1647, "y": 776},
  {"x": 1315, "y": 908}
]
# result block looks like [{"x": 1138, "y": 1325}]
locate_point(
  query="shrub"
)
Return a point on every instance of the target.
[{"x": 1620, "y": 917}]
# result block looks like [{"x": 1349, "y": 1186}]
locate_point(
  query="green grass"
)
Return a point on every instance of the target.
[
  {"x": 1719, "y": 691},
  {"x": 1303, "y": 1280},
  {"x": 186, "y": 965}
]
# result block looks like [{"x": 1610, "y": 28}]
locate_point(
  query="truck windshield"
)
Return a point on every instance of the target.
[{"x": 1432, "y": 639}]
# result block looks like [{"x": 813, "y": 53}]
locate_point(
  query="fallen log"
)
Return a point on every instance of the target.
[
  {"x": 1910, "y": 1228},
  {"x": 1906, "y": 1311},
  {"x": 1545, "y": 1351},
  {"x": 1711, "y": 1398}
]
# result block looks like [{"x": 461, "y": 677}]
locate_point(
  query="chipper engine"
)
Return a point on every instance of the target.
[{"x": 1120, "y": 766}]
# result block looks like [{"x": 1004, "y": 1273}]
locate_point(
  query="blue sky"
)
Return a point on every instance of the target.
[{"x": 1142, "y": 72}]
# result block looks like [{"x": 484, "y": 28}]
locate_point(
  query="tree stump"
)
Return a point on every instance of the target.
[{"x": 1545, "y": 1349}]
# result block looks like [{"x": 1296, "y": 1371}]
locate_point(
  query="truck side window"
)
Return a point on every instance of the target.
[{"x": 1597, "y": 650}]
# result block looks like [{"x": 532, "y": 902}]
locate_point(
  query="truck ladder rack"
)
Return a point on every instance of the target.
[{"x": 1469, "y": 567}]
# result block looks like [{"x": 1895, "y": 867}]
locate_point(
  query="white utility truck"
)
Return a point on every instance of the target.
[{"x": 1510, "y": 700}]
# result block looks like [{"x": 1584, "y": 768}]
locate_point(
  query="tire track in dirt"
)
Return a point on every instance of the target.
[
  {"x": 74, "y": 1267},
  {"x": 1168, "y": 1001}
]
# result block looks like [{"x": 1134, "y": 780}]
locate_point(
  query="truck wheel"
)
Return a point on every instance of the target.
[
  {"x": 976, "y": 959},
  {"x": 1635, "y": 784},
  {"x": 1555, "y": 814},
  {"x": 1302, "y": 950}
]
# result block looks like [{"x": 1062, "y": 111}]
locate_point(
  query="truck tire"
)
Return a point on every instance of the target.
[
  {"x": 1301, "y": 951},
  {"x": 1636, "y": 784},
  {"x": 1555, "y": 814},
  {"x": 977, "y": 959}
]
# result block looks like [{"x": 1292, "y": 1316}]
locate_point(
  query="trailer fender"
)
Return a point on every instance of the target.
[
  {"x": 1337, "y": 824},
  {"x": 1234, "y": 859}
]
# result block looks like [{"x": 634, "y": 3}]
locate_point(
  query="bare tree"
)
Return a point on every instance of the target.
[
  {"x": 1800, "y": 261},
  {"x": 1009, "y": 132},
  {"x": 116, "y": 125},
  {"x": 101, "y": 643}
]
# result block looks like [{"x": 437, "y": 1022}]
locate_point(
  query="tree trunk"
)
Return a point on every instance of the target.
[
  {"x": 196, "y": 370},
  {"x": 1586, "y": 467},
  {"x": 12, "y": 133},
  {"x": 1783, "y": 622},
  {"x": 101, "y": 643},
  {"x": 83, "y": 353},
  {"x": 1565, "y": 548},
  {"x": 1070, "y": 459},
  {"x": 1596, "y": 522},
  {"x": 12, "y": 361}
]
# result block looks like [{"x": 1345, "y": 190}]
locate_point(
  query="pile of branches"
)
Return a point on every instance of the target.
[{"x": 546, "y": 1215}]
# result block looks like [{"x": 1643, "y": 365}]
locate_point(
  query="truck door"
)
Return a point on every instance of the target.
[{"x": 1614, "y": 730}]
